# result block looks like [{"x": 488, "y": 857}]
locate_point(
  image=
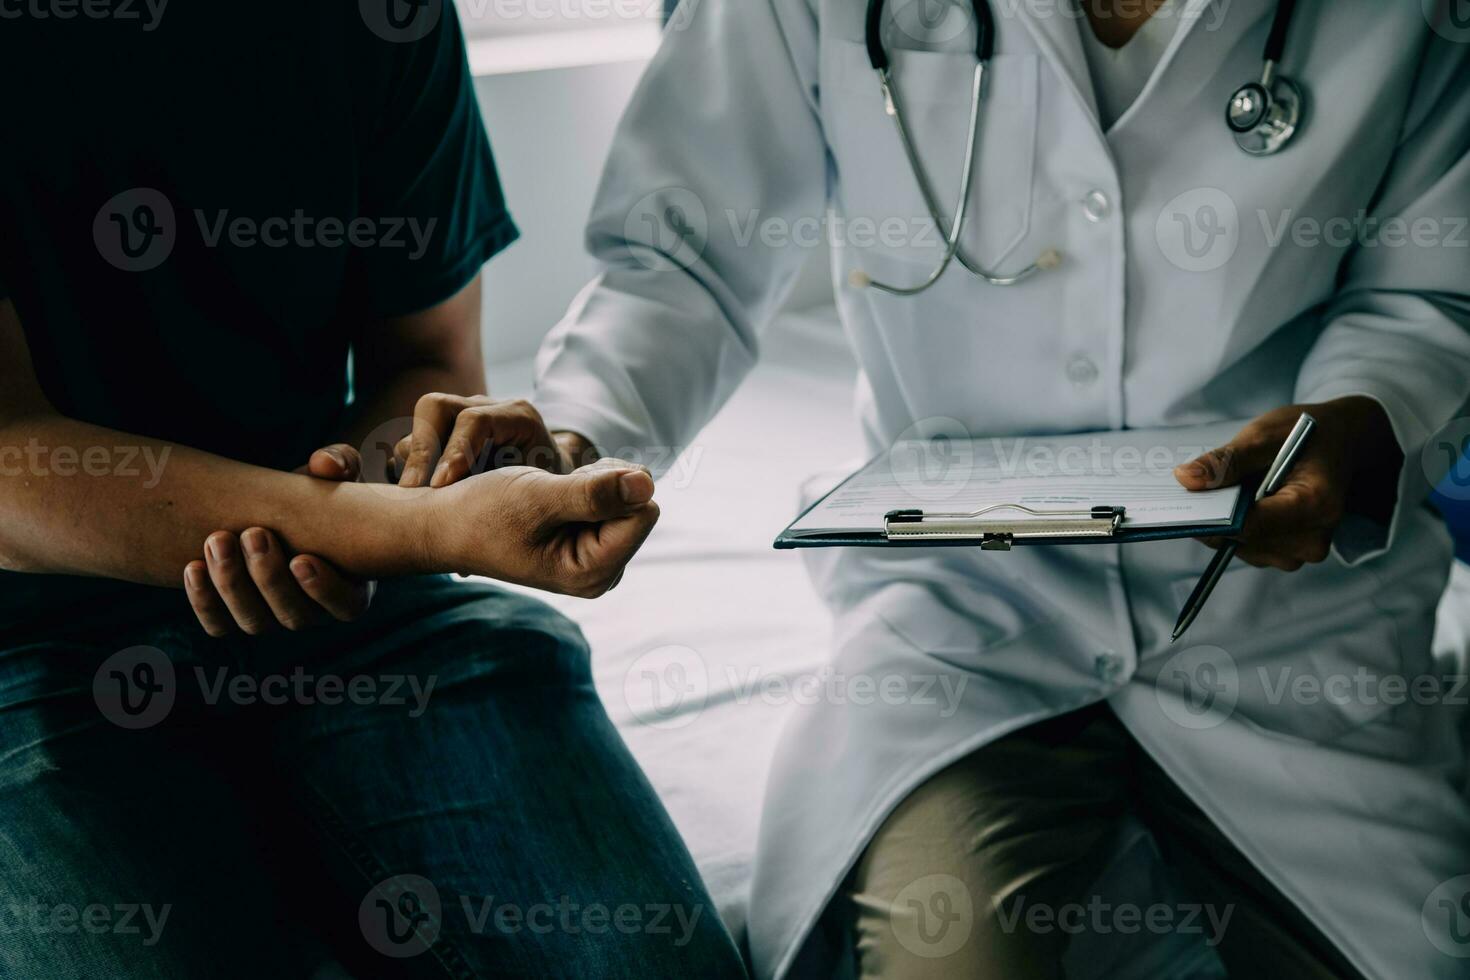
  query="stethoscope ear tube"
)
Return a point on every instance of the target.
[
  {"x": 1276, "y": 41},
  {"x": 873, "y": 33}
]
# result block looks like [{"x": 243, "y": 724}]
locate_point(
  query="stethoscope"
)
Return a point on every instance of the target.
[{"x": 1263, "y": 116}]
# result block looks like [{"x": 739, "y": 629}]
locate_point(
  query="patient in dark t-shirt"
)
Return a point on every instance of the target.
[{"x": 244, "y": 438}]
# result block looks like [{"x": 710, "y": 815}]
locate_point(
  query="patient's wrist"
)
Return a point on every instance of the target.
[{"x": 381, "y": 531}]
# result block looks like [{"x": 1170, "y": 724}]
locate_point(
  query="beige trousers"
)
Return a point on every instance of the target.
[{"x": 985, "y": 870}]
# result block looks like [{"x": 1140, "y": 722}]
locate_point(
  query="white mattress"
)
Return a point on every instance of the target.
[{"x": 692, "y": 649}]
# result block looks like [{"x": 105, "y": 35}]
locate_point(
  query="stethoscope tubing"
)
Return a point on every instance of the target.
[{"x": 984, "y": 50}]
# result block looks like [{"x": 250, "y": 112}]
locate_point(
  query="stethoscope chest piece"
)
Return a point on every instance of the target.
[{"x": 1265, "y": 115}]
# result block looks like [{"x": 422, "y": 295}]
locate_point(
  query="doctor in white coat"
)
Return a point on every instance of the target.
[{"x": 1198, "y": 283}]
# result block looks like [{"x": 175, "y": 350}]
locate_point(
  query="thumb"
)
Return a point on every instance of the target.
[
  {"x": 339, "y": 462},
  {"x": 1248, "y": 453},
  {"x": 598, "y": 493}
]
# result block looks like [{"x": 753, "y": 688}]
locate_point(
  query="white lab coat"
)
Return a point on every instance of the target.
[{"x": 767, "y": 109}]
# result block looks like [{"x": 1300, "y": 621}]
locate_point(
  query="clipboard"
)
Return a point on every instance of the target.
[
  {"x": 991, "y": 531},
  {"x": 1000, "y": 525}
]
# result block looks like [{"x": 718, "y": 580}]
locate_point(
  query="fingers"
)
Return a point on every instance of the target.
[
  {"x": 271, "y": 579},
  {"x": 513, "y": 423},
  {"x": 339, "y": 462},
  {"x": 1251, "y": 451},
  {"x": 209, "y": 609},
  {"x": 467, "y": 429},
  {"x": 601, "y": 492},
  {"x": 602, "y": 552},
  {"x": 246, "y": 583},
  {"x": 1294, "y": 526},
  {"x": 344, "y": 599},
  {"x": 433, "y": 418},
  {"x": 225, "y": 560}
]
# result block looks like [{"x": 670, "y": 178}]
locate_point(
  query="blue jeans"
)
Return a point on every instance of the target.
[{"x": 433, "y": 791}]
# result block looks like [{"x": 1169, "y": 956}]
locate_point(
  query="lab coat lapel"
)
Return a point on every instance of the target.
[{"x": 1054, "y": 27}]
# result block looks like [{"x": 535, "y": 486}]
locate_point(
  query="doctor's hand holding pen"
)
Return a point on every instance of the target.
[
  {"x": 1349, "y": 466},
  {"x": 557, "y": 518}
]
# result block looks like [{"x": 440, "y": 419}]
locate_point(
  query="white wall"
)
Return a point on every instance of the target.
[{"x": 550, "y": 128}]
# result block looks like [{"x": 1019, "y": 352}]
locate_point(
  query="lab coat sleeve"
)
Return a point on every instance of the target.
[
  {"x": 1398, "y": 330},
  {"x": 721, "y": 138}
]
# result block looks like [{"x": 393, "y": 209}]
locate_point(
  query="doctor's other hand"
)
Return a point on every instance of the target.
[
  {"x": 571, "y": 533},
  {"x": 1349, "y": 465},
  {"x": 248, "y": 582},
  {"x": 455, "y": 436}
]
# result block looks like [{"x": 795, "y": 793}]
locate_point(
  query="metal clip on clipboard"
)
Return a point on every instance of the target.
[{"x": 998, "y": 534}]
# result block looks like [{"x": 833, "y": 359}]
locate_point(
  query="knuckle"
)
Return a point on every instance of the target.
[
  {"x": 429, "y": 401},
  {"x": 1312, "y": 497}
]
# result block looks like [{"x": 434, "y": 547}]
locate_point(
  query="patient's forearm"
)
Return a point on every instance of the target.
[{"x": 144, "y": 521}]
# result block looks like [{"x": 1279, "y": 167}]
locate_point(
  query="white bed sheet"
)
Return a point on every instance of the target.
[{"x": 692, "y": 651}]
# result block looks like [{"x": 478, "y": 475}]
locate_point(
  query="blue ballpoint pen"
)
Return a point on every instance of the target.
[{"x": 1269, "y": 485}]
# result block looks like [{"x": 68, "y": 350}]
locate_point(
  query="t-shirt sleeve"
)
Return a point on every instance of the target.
[{"x": 426, "y": 170}]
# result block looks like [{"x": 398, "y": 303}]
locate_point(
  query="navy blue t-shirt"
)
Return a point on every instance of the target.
[{"x": 201, "y": 212}]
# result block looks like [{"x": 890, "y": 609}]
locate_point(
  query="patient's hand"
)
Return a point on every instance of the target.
[
  {"x": 248, "y": 581},
  {"x": 571, "y": 533}
]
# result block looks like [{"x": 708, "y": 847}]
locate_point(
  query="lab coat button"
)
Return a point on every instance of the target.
[
  {"x": 1081, "y": 370},
  {"x": 1109, "y": 666},
  {"x": 1096, "y": 206}
]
